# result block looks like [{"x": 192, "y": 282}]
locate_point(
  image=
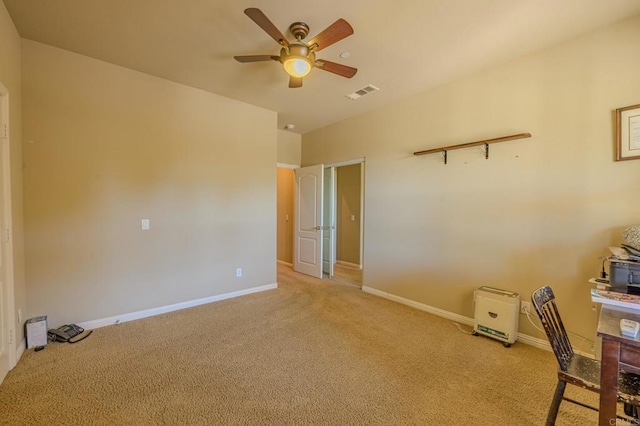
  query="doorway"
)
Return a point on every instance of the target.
[
  {"x": 343, "y": 216},
  {"x": 328, "y": 229}
]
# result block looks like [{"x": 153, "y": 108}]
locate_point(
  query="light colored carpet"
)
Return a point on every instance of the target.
[{"x": 310, "y": 352}]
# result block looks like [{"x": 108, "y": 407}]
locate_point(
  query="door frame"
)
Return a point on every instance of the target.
[
  {"x": 6, "y": 227},
  {"x": 328, "y": 227},
  {"x": 361, "y": 161}
]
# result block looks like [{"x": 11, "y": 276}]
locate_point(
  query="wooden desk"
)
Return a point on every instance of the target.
[{"x": 618, "y": 352}]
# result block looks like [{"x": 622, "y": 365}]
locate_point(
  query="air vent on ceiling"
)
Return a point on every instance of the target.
[{"x": 364, "y": 91}]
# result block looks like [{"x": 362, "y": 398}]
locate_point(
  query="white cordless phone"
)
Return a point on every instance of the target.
[{"x": 629, "y": 328}]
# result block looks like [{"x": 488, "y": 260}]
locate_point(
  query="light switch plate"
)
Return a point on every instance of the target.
[{"x": 145, "y": 224}]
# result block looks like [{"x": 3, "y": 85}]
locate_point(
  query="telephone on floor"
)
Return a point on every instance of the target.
[{"x": 68, "y": 333}]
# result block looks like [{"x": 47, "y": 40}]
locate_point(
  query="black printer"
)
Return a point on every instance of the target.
[{"x": 624, "y": 273}]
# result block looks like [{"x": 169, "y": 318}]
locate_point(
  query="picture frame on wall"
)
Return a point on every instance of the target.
[{"x": 628, "y": 133}]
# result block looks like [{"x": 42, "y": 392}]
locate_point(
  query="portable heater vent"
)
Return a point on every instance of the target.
[{"x": 496, "y": 314}]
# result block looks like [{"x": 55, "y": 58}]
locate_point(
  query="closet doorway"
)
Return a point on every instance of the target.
[{"x": 343, "y": 215}]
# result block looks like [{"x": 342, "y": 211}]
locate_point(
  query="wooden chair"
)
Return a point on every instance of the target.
[{"x": 576, "y": 369}]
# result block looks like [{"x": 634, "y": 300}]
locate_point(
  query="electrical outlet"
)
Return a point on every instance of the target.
[
  {"x": 238, "y": 272},
  {"x": 525, "y": 307}
]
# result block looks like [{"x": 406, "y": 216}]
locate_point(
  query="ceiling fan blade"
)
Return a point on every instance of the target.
[
  {"x": 332, "y": 34},
  {"x": 342, "y": 70},
  {"x": 256, "y": 58},
  {"x": 263, "y": 22},
  {"x": 295, "y": 82}
]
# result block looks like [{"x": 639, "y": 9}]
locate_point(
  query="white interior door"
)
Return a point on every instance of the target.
[
  {"x": 6, "y": 282},
  {"x": 307, "y": 257}
]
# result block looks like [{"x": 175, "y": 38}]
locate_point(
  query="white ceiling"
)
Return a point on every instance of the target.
[{"x": 403, "y": 47}]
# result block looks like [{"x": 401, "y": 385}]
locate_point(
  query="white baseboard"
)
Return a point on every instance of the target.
[
  {"x": 22, "y": 346},
  {"x": 524, "y": 338},
  {"x": 170, "y": 308},
  {"x": 349, "y": 264}
]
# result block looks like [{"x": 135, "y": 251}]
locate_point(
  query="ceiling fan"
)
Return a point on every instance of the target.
[{"x": 299, "y": 57}]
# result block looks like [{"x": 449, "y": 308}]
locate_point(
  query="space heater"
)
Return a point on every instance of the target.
[{"x": 496, "y": 314}]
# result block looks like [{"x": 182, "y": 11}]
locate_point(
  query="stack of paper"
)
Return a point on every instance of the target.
[{"x": 614, "y": 298}]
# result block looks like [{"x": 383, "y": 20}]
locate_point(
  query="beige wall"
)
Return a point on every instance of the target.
[
  {"x": 539, "y": 211},
  {"x": 10, "y": 76},
  {"x": 348, "y": 197},
  {"x": 108, "y": 147},
  {"x": 285, "y": 215},
  {"x": 289, "y": 154},
  {"x": 289, "y": 148}
]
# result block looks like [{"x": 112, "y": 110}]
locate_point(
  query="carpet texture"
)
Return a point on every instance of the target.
[{"x": 310, "y": 352}]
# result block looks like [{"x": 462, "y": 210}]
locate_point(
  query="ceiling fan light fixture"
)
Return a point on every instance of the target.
[
  {"x": 298, "y": 61},
  {"x": 297, "y": 66}
]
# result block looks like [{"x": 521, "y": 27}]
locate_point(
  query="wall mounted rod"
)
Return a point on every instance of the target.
[{"x": 485, "y": 142}]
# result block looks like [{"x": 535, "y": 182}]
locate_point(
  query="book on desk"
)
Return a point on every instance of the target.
[{"x": 614, "y": 298}]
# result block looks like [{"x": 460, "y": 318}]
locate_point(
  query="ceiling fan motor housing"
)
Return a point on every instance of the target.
[
  {"x": 299, "y": 30},
  {"x": 296, "y": 49}
]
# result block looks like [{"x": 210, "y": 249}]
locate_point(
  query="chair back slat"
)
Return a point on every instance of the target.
[{"x": 544, "y": 302}]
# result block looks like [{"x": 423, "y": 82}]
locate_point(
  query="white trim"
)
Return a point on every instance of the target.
[
  {"x": 288, "y": 166},
  {"x": 333, "y": 166},
  {"x": 345, "y": 163},
  {"x": 524, "y": 338},
  {"x": 534, "y": 341},
  {"x": 361, "y": 260},
  {"x": 282, "y": 262},
  {"x": 331, "y": 195},
  {"x": 349, "y": 264},
  {"x": 7, "y": 226},
  {"x": 170, "y": 308},
  {"x": 20, "y": 349}
]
